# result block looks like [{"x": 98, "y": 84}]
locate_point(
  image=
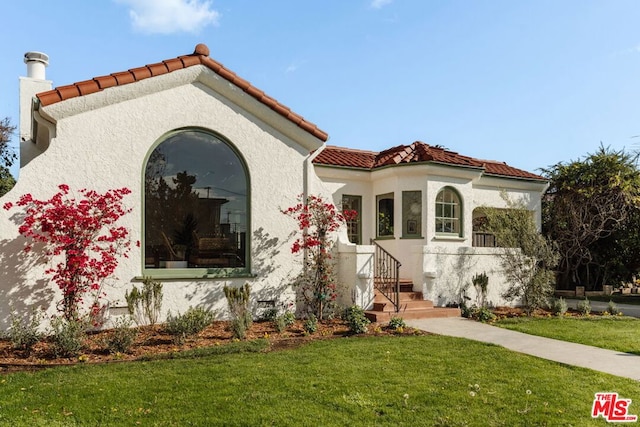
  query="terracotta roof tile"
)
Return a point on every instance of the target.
[
  {"x": 87, "y": 87},
  {"x": 140, "y": 73},
  {"x": 418, "y": 152},
  {"x": 199, "y": 56},
  {"x": 104, "y": 82}
]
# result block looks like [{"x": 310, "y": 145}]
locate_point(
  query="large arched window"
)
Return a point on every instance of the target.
[
  {"x": 448, "y": 212},
  {"x": 196, "y": 204}
]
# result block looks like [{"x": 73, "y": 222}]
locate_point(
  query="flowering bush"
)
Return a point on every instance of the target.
[
  {"x": 316, "y": 220},
  {"x": 85, "y": 233}
]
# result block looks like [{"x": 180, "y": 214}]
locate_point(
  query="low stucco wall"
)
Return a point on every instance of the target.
[{"x": 443, "y": 274}]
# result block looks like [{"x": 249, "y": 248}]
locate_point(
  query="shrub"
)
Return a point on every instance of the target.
[
  {"x": 144, "y": 305},
  {"x": 283, "y": 321},
  {"x": 396, "y": 323},
  {"x": 311, "y": 324},
  {"x": 192, "y": 322},
  {"x": 122, "y": 336},
  {"x": 559, "y": 306},
  {"x": 24, "y": 333},
  {"x": 270, "y": 314},
  {"x": 67, "y": 336},
  {"x": 356, "y": 320},
  {"x": 484, "y": 315},
  {"x": 238, "y": 301},
  {"x": 584, "y": 307},
  {"x": 613, "y": 308}
]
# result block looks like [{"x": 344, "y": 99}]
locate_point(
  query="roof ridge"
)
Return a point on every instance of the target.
[{"x": 200, "y": 56}]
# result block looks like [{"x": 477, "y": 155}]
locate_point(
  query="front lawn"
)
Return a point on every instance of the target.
[
  {"x": 411, "y": 381},
  {"x": 614, "y": 333}
]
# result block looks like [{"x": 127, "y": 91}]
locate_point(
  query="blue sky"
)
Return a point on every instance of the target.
[{"x": 529, "y": 82}]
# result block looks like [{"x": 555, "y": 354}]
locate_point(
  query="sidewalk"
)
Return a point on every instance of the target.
[{"x": 608, "y": 361}]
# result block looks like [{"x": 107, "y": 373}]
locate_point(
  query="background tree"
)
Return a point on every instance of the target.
[
  {"x": 590, "y": 209},
  {"x": 527, "y": 258},
  {"x": 7, "y": 156}
]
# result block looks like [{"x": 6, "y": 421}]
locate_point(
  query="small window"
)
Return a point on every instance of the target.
[
  {"x": 354, "y": 226},
  {"x": 448, "y": 212},
  {"x": 385, "y": 214},
  {"x": 411, "y": 214}
]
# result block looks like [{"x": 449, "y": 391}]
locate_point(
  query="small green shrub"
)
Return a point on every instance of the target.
[
  {"x": 311, "y": 324},
  {"x": 144, "y": 305},
  {"x": 396, "y": 323},
  {"x": 559, "y": 306},
  {"x": 122, "y": 336},
  {"x": 356, "y": 320},
  {"x": 270, "y": 314},
  {"x": 67, "y": 336},
  {"x": 283, "y": 321},
  {"x": 584, "y": 307},
  {"x": 613, "y": 309},
  {"x": 241, "y": 317},
  {"x": 186, "y": 325},
  {"x": 24, "y": 333},
  {"x": 484, "y": 315}
]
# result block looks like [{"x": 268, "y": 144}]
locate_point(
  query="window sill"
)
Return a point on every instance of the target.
[
  {"x": 412, "y": 238},
  {"x": 449, "y": 237},
  {"x": 385, "y": 238},
  {"x": 195, "y": 274}
]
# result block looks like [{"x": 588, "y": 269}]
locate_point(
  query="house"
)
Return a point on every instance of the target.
[{"x": 211, "y": 160}]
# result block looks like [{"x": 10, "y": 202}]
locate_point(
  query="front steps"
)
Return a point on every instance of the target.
[{"x": 412, "y": 306}]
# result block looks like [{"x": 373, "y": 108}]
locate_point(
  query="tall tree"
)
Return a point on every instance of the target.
[{"x": 589, "y": 201}]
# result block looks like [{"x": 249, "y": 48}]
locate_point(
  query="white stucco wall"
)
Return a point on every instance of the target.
[
  {"x": 101, "y": 143},
  {"x": 438, "y": 265}
]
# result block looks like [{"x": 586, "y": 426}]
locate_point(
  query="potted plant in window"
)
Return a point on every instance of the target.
[{"x": 183, "y": 241}]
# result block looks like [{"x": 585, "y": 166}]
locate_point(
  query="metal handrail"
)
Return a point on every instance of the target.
[{"x": 386, "y": 276}]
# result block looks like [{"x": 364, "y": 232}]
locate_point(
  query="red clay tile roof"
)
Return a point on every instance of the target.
[
  {"x": 199, "y": 56},
  {"x": 418, "y": 152}
]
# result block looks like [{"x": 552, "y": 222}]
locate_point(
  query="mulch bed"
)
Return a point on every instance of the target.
[{"x": 153, "y": 341}]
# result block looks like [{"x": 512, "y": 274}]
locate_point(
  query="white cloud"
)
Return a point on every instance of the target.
[
  {"x": 171, "y": 16},
  {"x": 379, "y": 4}
]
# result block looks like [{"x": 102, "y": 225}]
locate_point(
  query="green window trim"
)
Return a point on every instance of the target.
[
  {"x": 207, "y": 169},
  {"x": 448, "y": 213},
  {"x": 411, "y": 214},
  {"x": 384, "y": 215}
]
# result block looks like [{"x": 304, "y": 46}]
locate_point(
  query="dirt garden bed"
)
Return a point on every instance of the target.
[{"x": 153, "y": 342}]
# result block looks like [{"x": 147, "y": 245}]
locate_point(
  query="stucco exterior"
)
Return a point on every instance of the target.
[{"x": 102, "y": 140}]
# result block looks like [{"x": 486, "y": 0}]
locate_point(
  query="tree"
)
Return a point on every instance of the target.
[
  {"x": 316, "y": 220},
  {"x": 527, "y": 257},
  {"x": 7, "y": 181},
  {"x": 84, "y": 233},
  {"x": 589, "y": 201},
  {"x": 7, "y": 156}
]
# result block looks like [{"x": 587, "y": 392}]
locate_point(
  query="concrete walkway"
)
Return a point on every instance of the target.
[{"x": 608, "y": 361}]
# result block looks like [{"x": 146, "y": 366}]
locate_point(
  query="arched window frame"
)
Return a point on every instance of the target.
[
  {"x": 449, "y": 213},
  {"x": 198, "y": 272}
]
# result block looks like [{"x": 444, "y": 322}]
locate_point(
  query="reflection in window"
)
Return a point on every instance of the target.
[
  {"x": 385, "y": 214},
  {"x": 411, "y": 213},
  {"x": 448, "y": 212},
  {"x": 354, "y": 226},
  {"x": 196, "y": 212}
]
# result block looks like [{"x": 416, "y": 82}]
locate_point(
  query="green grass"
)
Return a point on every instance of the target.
[
  {"x": 396, "y": 381},
  {"x": 611, "y": 332}
]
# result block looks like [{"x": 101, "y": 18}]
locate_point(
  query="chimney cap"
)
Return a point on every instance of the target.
[{"x": 36, "y": 57}]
